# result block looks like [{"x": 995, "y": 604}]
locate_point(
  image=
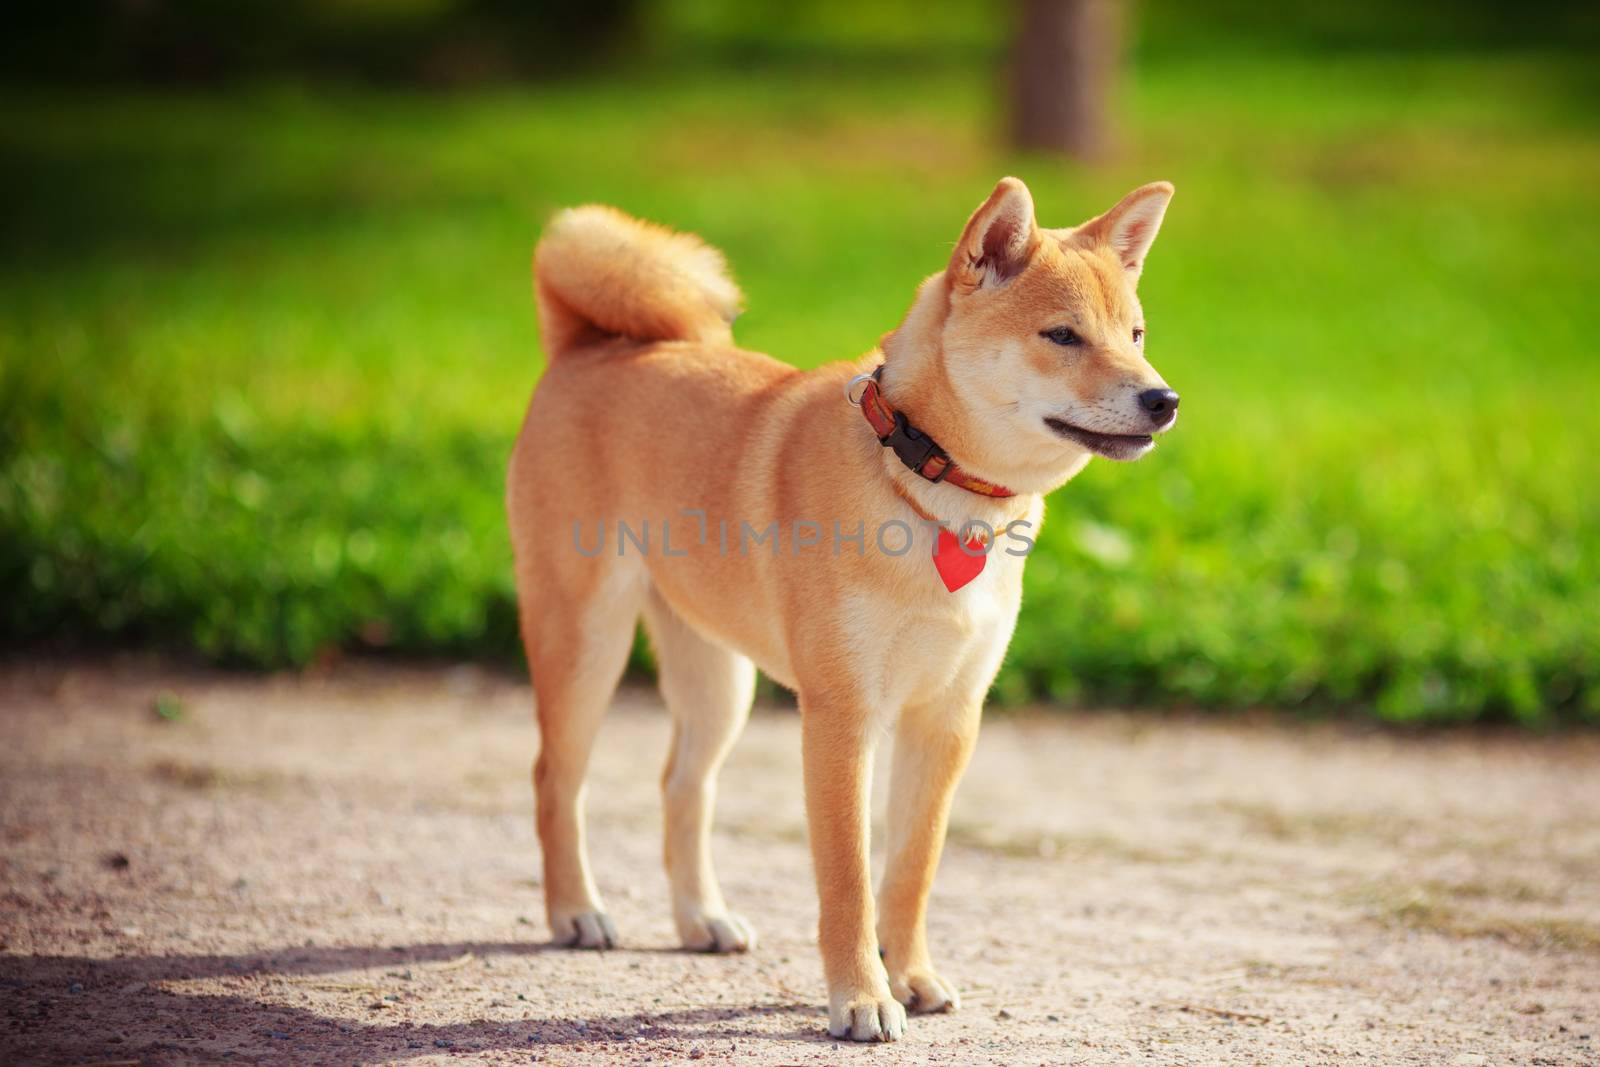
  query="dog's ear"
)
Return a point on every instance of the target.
[
  {"x": 1130, "y": 227},
  {"x": 998, "y": 240}
]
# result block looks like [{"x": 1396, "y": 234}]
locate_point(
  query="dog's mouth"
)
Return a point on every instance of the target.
[{"x": 1122, "y": 446}]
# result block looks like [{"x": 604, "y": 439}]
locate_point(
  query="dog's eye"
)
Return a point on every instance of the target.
[
  {"x": 1061, "y": 335},
  {"x": 1138, "y": 335}
]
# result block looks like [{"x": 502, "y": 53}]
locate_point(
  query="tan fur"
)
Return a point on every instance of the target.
[
  {"x": 598, "y": 272},
  {"x": 647, "y": 409}
]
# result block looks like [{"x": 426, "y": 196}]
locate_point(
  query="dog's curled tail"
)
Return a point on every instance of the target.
[{"x": 599, "y": 273}]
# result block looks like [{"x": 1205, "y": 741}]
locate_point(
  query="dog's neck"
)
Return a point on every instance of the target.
[
  {"x": 949, "y": 506},
  {"x": 914, "y": 381}
]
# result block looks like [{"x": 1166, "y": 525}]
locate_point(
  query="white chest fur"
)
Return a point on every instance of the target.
[{"x": 923, "y": 644}]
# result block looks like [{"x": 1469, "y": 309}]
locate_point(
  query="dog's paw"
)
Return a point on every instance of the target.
[
  {"x": 584, "y": 929},
  {"x": 866, "y": 1017},
  {"x": 923, "y": 992},
  {"x": 716, "y": 933}
]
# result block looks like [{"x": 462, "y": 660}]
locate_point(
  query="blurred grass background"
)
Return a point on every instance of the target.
[{"x": 265, "y": 341}]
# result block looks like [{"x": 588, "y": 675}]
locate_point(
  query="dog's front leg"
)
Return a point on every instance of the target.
[
  {"x": 931, "y": 749},
  {"x": 838, "y": 759}
]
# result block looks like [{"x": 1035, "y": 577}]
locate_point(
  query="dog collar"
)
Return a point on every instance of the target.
[{"x": 919, "y": 452}]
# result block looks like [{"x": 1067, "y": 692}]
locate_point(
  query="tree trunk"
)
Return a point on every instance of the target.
[{"x": 1066, "y": 59}]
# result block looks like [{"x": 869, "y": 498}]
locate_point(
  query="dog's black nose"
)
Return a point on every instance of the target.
[{"x": 1160, "y": 404}]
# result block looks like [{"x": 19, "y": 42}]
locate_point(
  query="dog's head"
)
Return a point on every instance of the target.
[{"x": 1040, "y": 339}]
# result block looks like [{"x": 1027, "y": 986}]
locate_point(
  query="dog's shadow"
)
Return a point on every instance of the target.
[{"x": 72, "y": 1009}]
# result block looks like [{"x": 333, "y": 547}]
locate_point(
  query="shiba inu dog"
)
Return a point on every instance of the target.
[{"x": 858, "y": 532}]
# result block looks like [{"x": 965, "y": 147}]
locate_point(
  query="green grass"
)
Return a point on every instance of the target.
[{"x": 262, "y": 355}]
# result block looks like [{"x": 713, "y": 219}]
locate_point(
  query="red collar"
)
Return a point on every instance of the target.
[{"x": 916, "y": 449}]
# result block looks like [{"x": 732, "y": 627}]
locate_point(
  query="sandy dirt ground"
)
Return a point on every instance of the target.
[{"x": 342, "y": 870}]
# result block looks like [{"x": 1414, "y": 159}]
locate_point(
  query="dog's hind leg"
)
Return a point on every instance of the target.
[
  {"x": 577, "y": 645},
  {"x": 708, "y": 690}
]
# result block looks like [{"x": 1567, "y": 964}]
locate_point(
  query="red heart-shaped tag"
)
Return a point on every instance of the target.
[{"x": 956, "y": 568}]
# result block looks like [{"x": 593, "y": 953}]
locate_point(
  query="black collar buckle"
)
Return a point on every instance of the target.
[{"x": 914, "y": 447}]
